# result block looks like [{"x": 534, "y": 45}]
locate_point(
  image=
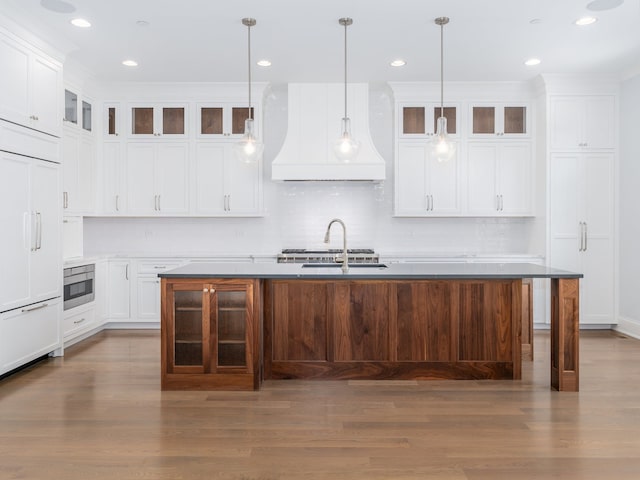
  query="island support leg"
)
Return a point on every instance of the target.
[{"x": 565, "y": 323}]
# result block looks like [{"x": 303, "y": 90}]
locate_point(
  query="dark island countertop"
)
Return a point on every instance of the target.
[{"x": 392, "y": 271}]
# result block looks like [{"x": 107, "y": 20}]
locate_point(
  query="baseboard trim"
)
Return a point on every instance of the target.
[{"x": 628, "y": 326}]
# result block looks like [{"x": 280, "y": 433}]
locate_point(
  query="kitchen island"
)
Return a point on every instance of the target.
[{"x": 230, "y": 326}]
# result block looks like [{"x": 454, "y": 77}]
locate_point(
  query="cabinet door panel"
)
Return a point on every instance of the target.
[
  {"x": 425, "y": 322},
  {"x": 599, "y": 122},
  {"x": 148, "y": 301},
  {"x": 46, "y": 261},
  {"x": 16, "y": 239},
  {"x": 114, "y": 200},
  {"x": 443, "y": 185},
  {"x": 244, "y": 187},
  {"x": 485, "y": 325},
  {"x": 45, "y": 93},
  {"x": 410, "y": 183},
  {"x": 119, "y": 294},
  {"x": 171, "y": 173},
  {"x": 482, "y": 178},
  {"x": 514, "y": 178},
  {"x": 14, "y": 82},
  {"x": 361, "y": 323},
  {"x": 209, "y": 174},
  {"x": 141, "y": 194},
  {"x": 300, "y": 321}
]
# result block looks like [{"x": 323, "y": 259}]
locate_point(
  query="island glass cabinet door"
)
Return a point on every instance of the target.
[{"x": 208, "y": 327}]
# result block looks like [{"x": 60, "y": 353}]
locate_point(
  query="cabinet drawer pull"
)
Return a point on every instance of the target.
[
  {"x": 205, "y": 290},
  {"x": 76, "y": 322},
  {"x": 38, "y": 307}
]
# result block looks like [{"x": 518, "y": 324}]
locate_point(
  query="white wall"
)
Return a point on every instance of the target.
[
  {"x": 629, "y": 298},
  {"x": 298, "y": 212}
]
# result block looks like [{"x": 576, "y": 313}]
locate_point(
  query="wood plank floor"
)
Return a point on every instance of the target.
[{"x": 98, "y": 413}]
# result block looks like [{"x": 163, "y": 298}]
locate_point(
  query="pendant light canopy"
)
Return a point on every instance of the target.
[
  {"x": 346, "y": 147},
  {"x": 442, "y": 148},
  {"x": 249, "y": 149}
]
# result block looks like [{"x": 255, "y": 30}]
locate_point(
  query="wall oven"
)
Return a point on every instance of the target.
[{"x": 79, "y": 285}]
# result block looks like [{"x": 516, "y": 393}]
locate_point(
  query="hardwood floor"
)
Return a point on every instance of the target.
[{"x": 98, "y": 413}]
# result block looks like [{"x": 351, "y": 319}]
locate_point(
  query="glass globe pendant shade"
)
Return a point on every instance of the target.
[
  {"x": 442, "y": 148},
  {"x": 346, "y": 148},
  {"x": 249, "y": 149}
]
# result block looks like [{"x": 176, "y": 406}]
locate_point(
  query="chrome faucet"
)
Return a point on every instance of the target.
[{"x": 345, "y": 263}]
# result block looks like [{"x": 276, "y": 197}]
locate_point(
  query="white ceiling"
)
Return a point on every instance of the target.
[{"x": 204, "y": 40}]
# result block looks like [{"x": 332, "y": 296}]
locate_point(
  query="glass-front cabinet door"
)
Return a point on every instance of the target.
[
  {"x": 188, "y": 328},
  {"x": 158, "y": 121},
  {"x": 208, "y": 327},
  {"x": 420, "y": 120},
  {"x": 222, "y": 120},
  {"x": 498, "y": 120}
]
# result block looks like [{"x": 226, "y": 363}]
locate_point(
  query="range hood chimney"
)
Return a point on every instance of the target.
[{"x": 315, "y": 114}]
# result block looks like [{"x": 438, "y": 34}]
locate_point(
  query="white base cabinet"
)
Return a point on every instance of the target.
[
  {"x": 581, "y": 228},
  {"x": 28, "y": 333},
  {"x": 77, "y": 321},
  {"x": 119, "y": 290},
  {"x": 147, "y": 304}
]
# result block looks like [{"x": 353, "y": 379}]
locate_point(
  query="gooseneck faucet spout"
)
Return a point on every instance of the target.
[{"x": 345, "y": 257}]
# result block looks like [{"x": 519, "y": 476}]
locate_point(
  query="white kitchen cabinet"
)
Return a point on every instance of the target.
[
  {"x": 30, "y": 244},
  {"x": 114, "y": 178},
  {"x": 119, "y": 290},
  {"x": 499, "y": 181},
  {"x": 158, "y": 121},
  {"x": 112, "y": 121},
  {"x": 226, "y": 186},
  {"x": 101, "y": 289},
  {"x": 78, "y": 166},
  {"x": 499, "y": 120},
  {"x": 77, "y": 321},
  {"x": 28, "y": 333},
  {"x": 418, "y": 120},
  {"x": 582, "y": 122},
  {"x": 148, "y": 288},
  {"x": 424, "y": 186},
  {"x": 225, "y": 120},
  {"x": 157, "y": 178},
  {"x": 31, "y": 86},
  {"x": 581, "y": 228}
]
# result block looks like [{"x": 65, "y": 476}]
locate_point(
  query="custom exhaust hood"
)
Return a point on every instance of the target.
[{"x": 314, "y": 116}]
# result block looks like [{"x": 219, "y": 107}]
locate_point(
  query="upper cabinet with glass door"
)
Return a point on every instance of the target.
[
  {"x": 419, "y": 120},
  {"x": 499, "y": 120},
  {"x": 222, "y": 121},
  {"x": 77, "y": 110},
  {"x": 158, "y": 121}
]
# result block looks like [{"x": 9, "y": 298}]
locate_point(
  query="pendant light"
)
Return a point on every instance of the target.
[
  {"x": 442, "y": 148},
  {"x": 346, "y": 147},
  {"x": 249, "y": 148}
]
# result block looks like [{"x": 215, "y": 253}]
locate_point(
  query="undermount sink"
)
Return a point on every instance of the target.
[{"x": 339, "y": 265}]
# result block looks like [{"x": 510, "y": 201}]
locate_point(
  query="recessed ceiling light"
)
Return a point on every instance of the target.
[
  {"x": 600, "y": 5},
  {"x": 586, "y": 21},
  {"x": 532, "y": 61},
  {"x": 398, "y": 63},
  {"x": 58, "y": 6},
  {"x": 264, "y": 63},
  {"x": 80, "y": 22},
  {"x": 130, "y": 63}
]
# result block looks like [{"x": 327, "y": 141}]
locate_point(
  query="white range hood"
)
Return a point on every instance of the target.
[{"x": 315, "y": 113}]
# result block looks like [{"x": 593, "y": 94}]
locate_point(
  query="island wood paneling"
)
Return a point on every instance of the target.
[
  {"x": 300, "y": 321},
  {"x": 426, "y": 329},
  {"x": 565, "y": 305},
  {"x": 360, "y": 321},
  {"x": 426, "y": 313}
]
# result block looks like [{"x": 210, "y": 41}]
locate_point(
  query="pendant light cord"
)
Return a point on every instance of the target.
[
  {"x": 345, "y": 69},
  {"x": 249, "y": 66},
  {"x": 442, "y": 70}
]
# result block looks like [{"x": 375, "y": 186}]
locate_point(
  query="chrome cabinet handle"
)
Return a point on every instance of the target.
[
  {"x": 581, "y": 249},
  {"x": 431, "y": 200},
  {"x": 501, "y": 203},
  {"x": 126, "y": 272},
  {"x": 65, "y": 199},
  {"x": 159, "y": 204},
  {"x": 155, "y": 202},
  {"x": 498, "y": 203},
  {"x": 117, "y": 203},
  {"x": 76, "y": 322},
  {"x": 33, "y": 242},
  {"x": 38, "y": 230},
  {"x": 585, "y": 237},
  {"x": 38, "y": 307}
]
